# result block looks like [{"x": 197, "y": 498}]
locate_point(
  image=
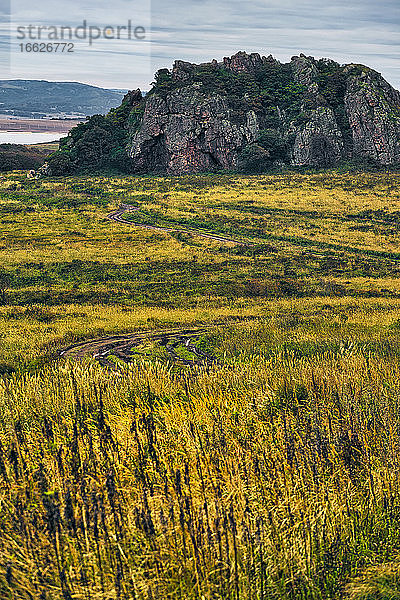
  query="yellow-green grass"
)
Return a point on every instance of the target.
[
  {"x": 34, "y": 333},
  {"x": 276, "y": 479},
  {"x": 312, "y": 238},
  {"x": 273, "y": 474}
]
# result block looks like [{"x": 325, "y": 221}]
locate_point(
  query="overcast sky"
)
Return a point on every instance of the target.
[{"x": 361, "y": 31}]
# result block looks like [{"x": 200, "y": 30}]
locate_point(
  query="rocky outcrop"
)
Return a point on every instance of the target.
[
  {"x": 246, "y": 63},
  {"x": 190, "y": 130},
  {"x": 135, "y": 98},
  {"x": 319, "y": 143},
  {"x": 249, "y": 111},
  {"x": 306, "y": 74},
  {"x": 373, "y": 108},
  {"x": 319, "y": 140},
  {"x": 187, "y": 131}
]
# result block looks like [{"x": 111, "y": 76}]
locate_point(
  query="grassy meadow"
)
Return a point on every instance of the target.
[{"x": 273, "y": 474}]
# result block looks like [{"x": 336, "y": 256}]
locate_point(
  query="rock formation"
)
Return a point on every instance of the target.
[
  {"x": 373, "y": 109},
  {"x": 218, "y": 115}
]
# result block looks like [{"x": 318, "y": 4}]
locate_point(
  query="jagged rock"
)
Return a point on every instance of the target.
[
  {"x": 244, "y": 63},
  {"x": 373, "y": 107},
  {"x": 306, "y": 73},
  {"x": 319, "y": 143},
  {"x": 182, "y": 71},
  {"x": 135, "y": 98},
  {"x": 188, "y": 132}
]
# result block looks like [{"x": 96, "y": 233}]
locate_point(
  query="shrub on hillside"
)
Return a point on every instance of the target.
[
  {"x": 254, "y": 159},
  {"x": 272, "y": 141},
  {"x": 98, "y": 144},
  {"x": 15, "y": 156}
]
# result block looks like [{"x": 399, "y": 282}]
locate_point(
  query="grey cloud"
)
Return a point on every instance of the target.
[{"x": 362, "y": 31}]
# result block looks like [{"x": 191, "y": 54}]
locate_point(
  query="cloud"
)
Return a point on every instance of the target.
[
  {"x": 358, "y": 31},
  {"x": 362, "y": 31}
]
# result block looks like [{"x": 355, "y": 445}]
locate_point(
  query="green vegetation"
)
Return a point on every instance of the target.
[
  {"x": 98, "y": 144},
  {"x": 332, "y": 80},
  {"x": 271, "y": 474},
  {"x": 270, "y": 86},
  {"x": 260, "y": 157},
  {"x": 17, "y": 156}
]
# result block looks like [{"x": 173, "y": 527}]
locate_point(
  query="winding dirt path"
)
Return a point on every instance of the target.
[
  {"x": 124, "y": 346},
  {"x": 118, "y": 216}
]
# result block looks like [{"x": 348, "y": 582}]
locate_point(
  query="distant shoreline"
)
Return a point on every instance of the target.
[{"x": 37, "y": 125}]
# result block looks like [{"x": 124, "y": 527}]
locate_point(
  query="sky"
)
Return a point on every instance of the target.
[{"x": 359, "y": 31}]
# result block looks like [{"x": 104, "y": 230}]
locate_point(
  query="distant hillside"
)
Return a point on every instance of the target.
[{"x": 21, "y": 97}]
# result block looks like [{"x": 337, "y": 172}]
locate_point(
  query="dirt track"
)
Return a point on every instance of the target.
[
  {"x": 123, "y": 346},
  {"x": 117, "y": 216}
]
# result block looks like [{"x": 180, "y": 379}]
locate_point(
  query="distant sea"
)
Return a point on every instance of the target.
[{"x": 27, "y": 137}]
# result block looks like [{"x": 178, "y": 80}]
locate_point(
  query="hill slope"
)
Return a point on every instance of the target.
[
  {"x": 26, "y": 97},
  {"x": 247, "y": 112},
  {"x": 18, "y": 156}
]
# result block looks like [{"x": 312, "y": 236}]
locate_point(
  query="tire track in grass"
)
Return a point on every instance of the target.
[
  {"x": 124, "y": 347},
  {"x": 118, "y": 216}
]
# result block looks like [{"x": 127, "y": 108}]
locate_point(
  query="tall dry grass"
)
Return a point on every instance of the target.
[{"x": 277, "y": 479}]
